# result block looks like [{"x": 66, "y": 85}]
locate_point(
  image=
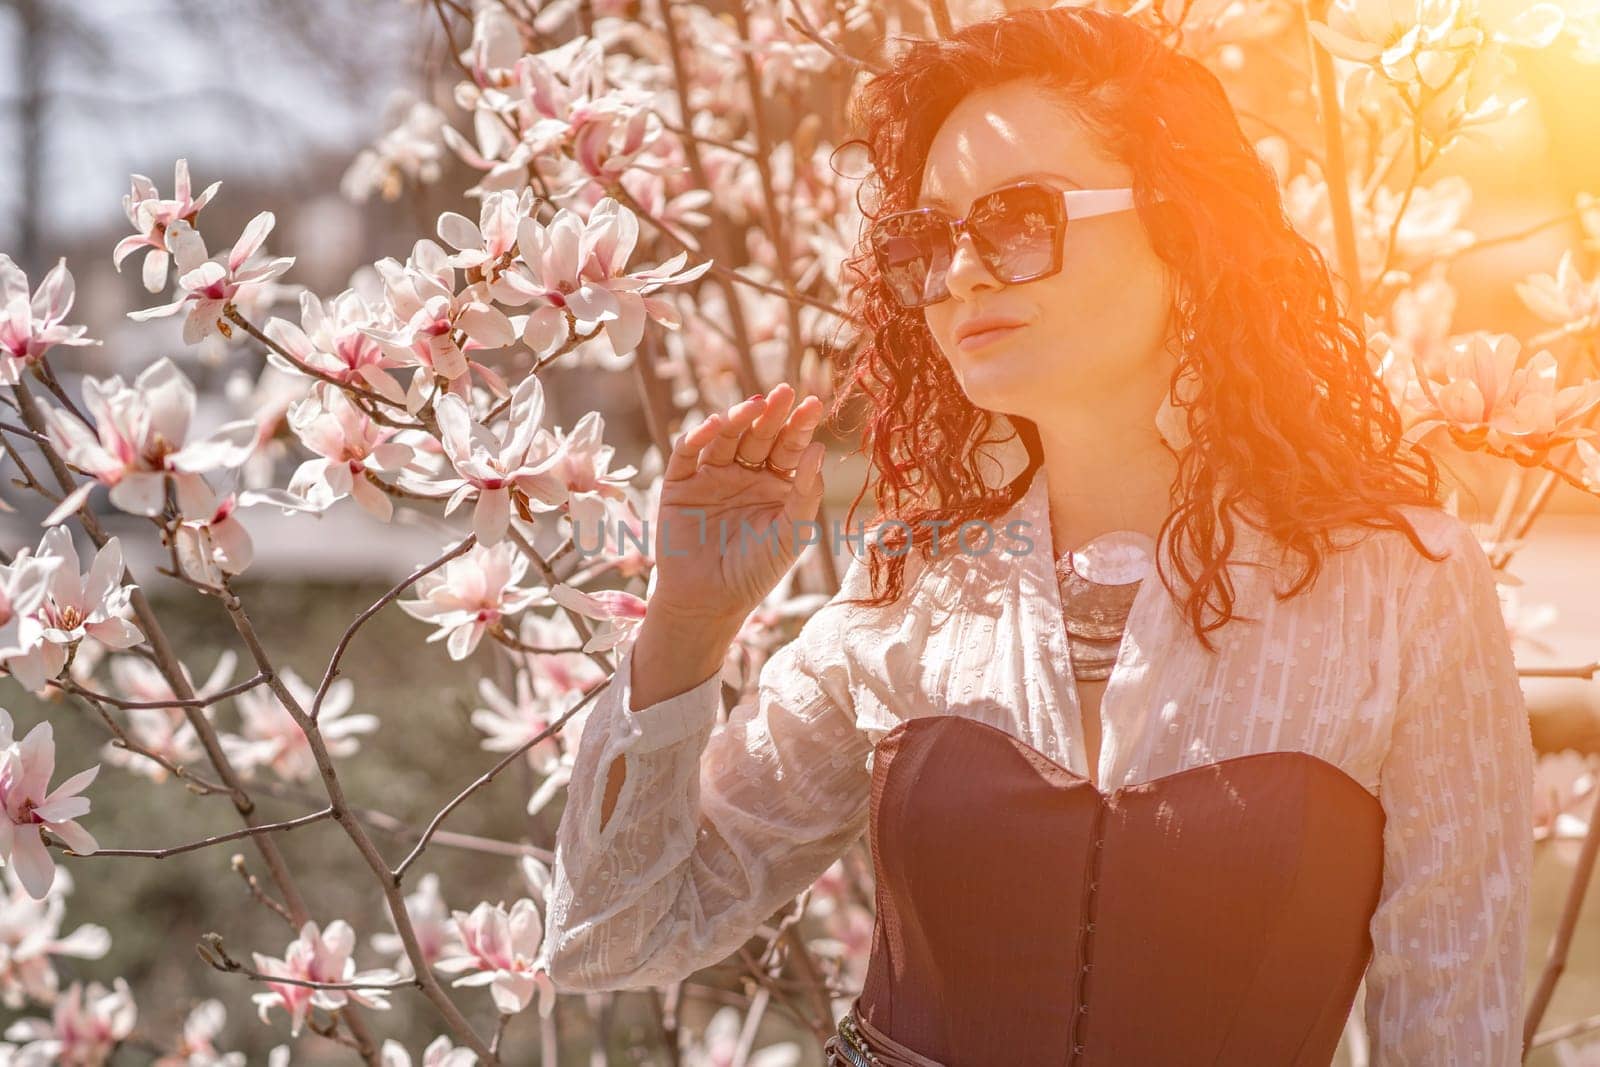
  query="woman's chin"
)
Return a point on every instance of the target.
[{"x": 998, "y": 380}]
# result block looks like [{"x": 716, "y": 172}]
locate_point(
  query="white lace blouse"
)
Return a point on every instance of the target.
[{"x": 1395, "y": 669}]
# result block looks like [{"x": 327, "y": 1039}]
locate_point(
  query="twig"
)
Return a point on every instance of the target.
[
  {"x": 172, "y": 702},
  {"x": 384, "y": 823},
  {"x": 256, "y": 890},
  {"x": 357, "y": 833},
  {"x": 167, "y": 662},
  {"x": 1556, "y": 962},
  {"x": 802, "y": 25},
  {"x": 350, "y": 631},
  {"x": 193, "y": 846},
  {"x": 487, "y": 777},
  {"x": 210, "y": 949},
  {"x": 232, "y": 314},
  {"x": 193, "y": 782}
]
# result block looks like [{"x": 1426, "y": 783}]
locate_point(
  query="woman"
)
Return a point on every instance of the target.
[{"x": 1107, "y": 827}]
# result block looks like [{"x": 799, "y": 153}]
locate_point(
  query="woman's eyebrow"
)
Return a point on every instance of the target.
[{"x": 943, "y": 205}]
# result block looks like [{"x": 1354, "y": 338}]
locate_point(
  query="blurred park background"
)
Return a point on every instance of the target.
[{"x": 279, "y": 99}]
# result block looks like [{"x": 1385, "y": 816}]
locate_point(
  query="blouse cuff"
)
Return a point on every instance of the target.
[{"x": 668, "y": 721}]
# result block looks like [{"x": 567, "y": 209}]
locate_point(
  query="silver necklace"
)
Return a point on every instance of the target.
[{"x": 1098, "y": 584}]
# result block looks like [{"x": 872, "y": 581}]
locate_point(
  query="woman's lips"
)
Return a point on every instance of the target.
[{"x": 985, "y": 337}]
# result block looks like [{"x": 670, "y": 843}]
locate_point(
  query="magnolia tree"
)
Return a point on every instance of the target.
[{"x": 655, "y": 199}]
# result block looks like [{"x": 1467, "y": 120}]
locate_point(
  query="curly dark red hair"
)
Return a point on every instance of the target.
[{"x": 1289, "y": 416}]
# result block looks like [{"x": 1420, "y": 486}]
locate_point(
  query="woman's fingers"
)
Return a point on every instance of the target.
[
  {"x": 771, "y": 428},
  {"x": 756, "y": 444},
  {"x": 685, "y": 457},
  {"x": 722, "y": 447},
  {"x": 796, "y": 434}
]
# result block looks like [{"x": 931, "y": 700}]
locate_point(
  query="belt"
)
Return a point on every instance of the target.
[{"x": 860, "y": 1044}]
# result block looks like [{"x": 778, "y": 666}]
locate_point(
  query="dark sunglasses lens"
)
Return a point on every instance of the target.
[
  {"x": 913, "y": 253},
  {"x": 1017, "y": 231}
]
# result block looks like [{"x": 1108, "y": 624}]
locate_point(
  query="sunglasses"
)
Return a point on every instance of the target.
[{"x": 1016, "y": 229}]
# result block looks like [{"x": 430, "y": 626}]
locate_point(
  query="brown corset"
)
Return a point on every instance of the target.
[{"x": 1215, "y": 915}]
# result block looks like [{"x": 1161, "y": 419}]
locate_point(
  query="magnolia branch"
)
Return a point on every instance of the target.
[
  {"x": 193, "y": 782},
  {"x": 357, "y": 833},
  {"x": 166, "y": 660},
  {"x": 210, "y": 949},
  {"x": 350, "y": 631},
  {"x": 173, "y": 703},
  {"x": 232, "y": 314},
  {"x": 487, "y": 777},
  {"x": 384, "y": 823},
  {"x": 193, "y": 846}
]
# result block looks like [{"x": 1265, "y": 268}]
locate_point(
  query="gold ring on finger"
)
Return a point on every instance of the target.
[
  {"x": 787, "y": 472},
  {"x": 750, "y": 464}
]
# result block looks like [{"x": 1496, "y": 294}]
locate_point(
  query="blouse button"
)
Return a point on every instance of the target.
[
  {"x": 1093, "y": 886},
  {"x": 1077, "y": 1050},
  {"x": 1083, "y": 1009},
  {"x": 1089, "y": 926},
  {"x": 1086, "y": 967}
]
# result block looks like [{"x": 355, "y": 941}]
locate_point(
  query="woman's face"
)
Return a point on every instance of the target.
[{"x": 1087, "y": 331}]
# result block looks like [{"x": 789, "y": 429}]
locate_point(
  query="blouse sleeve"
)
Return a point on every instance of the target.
[
  {"x": 717, "y": 824},
  {"x": 1445, "y": 983}
]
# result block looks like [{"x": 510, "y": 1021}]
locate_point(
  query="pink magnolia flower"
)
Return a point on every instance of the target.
[
  {"x": 619, "y": 613},
  {"x": 500, "y": 949},
  {"x": 430, "y": 313},
  {"x": 211, "y": 286},
  {"x": 490, "y": 464},
  {"x": 269, "y": 736},
  {"x": 349, "y": 444},
  {"x": 30, "y": 937},
  {"x": 471, "y": 593},
  {"x": 1481, "y": 394},
  {"x": 163, "y": 731},
  {"x": 215, "y": 544},
  {"x": 30, "y": 327},
  {"x": 412, "y": 150},
  {"x": 578, "y": 478},
  {"x": 140, "y": 439},
  {"x": 331, "y": 339},
  {"x": 152, "y": 217},
  {"x": 521, "y": 102},
  {"x": 509, "y": 722},
  {"x": 577, "y": 269},
  {"x": 486, "y": 246},
  {"x": 430, "y": 921},
  {"x": 24, "y": 583},
  {"x": 614, "y": 135},
  {"x": 629, "y": 549},
  {"x": 539, "y": 699},
  {"x": 75, "y": 605},
  {"x": 25, "y": 770},
  {"x": 318, "y": 956},
  {"x": 196, "y": 1044},
  {"x": 85, "y": 1027},
  {"x": 1563, "y": 298},
  {"x": 439, "y": 1053}
]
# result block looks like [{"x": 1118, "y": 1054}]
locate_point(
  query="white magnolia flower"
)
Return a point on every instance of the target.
[{"x": 75, "y": 605}]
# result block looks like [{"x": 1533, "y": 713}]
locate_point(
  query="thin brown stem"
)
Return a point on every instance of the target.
[{"x": 195, "y": 846}]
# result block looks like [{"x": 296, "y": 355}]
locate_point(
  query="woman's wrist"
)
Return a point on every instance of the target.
[{"x": 672, "y": 655}]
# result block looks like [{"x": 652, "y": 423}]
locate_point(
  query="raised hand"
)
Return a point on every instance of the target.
[{"x": 732, "y": 473}]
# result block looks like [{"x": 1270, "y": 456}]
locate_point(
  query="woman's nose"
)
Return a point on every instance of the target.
[{"x": 967, "y": 273}]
